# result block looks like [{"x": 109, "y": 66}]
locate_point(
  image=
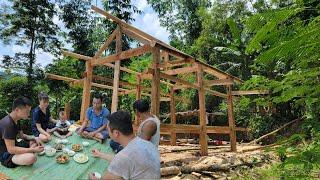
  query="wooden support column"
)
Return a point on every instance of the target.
[
  {"x": 173, "y": 117},
  {"x": 202, "y": 112},
  {"x": 138, "y": 96},
  {"x": 67, "y": 109},
  {"x": 233, "y": 138},
  {"x": 116, "y": 75},
  {"x": 155, "y": 91},
  {"x": 87, "y": 83}
]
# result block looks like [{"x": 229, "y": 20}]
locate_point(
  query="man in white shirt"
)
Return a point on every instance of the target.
[{"x": 139, "y": 159}]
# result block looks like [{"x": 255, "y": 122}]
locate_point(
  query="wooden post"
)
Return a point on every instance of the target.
[
  {"x": 67, "y": 109},
  {"x": 155, "y": 91},
  {"x": 173, "y": 117},
  {"x": 233, "y": 138},
  {"x": 116, "y": 75},
  {"x": 138, "y": 96},
  {"x": 202, "y": 112},
  {"x": 87, "y": 83}
]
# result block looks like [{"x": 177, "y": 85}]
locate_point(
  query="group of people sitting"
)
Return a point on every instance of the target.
[{"x": 136, "y": 157}]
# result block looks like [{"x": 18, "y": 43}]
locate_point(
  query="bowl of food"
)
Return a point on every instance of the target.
[
  {"x": 76, "y": 147},
  {"x": 58, "y": 147},
  {"x": 50, "y": 151},
  {"x": 85, "y": 143},
  {"x": 71, "y": 153},
  {"x": 63, "y": 158}
]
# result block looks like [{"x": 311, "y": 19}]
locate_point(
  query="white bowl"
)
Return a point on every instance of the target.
[
  {"x": 41, "y": 153},
  {"x": 50, "y": 151},
  {"x": 71, "y": 153},
  {"x": 85, "y": 143},
  {"x": 64, "y": 141}
]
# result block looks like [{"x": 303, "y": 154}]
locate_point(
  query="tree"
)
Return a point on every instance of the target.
[
  {"x": 29, "y": 23},
  {"x": 180, "y": 17}
]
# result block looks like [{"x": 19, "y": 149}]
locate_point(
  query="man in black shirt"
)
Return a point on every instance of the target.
[{"x": 12, "y": 155}]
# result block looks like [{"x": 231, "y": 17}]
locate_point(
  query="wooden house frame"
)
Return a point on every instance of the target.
[{"x": 163, "y": 67}]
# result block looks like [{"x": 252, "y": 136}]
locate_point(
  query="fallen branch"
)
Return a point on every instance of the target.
[
  {"x": 273, "y": 132},
  {"x": 172, "y": 170}
]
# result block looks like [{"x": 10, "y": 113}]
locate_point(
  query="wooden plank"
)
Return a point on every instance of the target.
[
  {"x": 135, "y": 36},
  {"x": 173, "y": 63},
  {"x": 183, "y": 70},
  {"x": 215, "y": 93},
  {"x": 173, "y": 139},
  {"x": 218, "y": 82},
  {"x": 155, "y": 84},
  {"x": 122, "y": 55},
  {"x": 202, "y": 112},
  {"x": 107, "y": 43},
  {"x": 116, "y": 74},
  {"x": 109, "y": 80},
  {"x": 250, "y": 92},
  {"x": 218, "y": 73},
  {"x": 233, "y": 138},
  {"x": 87, "y": 82},
  {"x": 67, "y": 109},
  {"x": 177, "y": 80},
  {"x": 122, "y": 68},
  {"x": 75, "y": 55},
  {"x": 138, "y": 96}
]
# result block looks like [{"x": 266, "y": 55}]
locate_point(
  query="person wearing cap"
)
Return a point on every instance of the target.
[{"x": 41, "y": 119}]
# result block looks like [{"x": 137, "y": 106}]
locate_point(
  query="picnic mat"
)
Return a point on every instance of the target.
[{"x": 47, "y": 167}]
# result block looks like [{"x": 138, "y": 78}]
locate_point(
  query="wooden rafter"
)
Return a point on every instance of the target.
[
  {"x": 122, "y": 55},
  {"x": 218, "y": 82},
  {"x": 249, "y": 92},
  {"x": 107, "y": 43},
  {"x": 183, "y": 70},
  {"x": 75, "y": 55}
]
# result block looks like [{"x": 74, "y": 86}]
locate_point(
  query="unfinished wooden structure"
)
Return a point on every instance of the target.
[{"x": 167, "y": 63}]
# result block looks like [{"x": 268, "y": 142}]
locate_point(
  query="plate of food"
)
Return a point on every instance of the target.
[
  {"x": 85, "y": 143},
  {"x": 76, "y": 147},
  {"x": 63, "y": 158},
  {"x": 50, "y": 151},
  {"x": 59, "y": 147},
  {"x": 80, "y": 158}
]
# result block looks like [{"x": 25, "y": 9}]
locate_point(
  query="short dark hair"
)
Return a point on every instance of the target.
[
  {"x": 141, "y": 106},
  {"x": 121, "y": 121},
  {"x": 21, "y": 102},
  {"x": 43, "y": 96},
  {"x": 98, "y": 96}
]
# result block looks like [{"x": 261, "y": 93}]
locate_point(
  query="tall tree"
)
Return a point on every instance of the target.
[
  {"x": 29, "y": 23},
  {"x": 180, "y": 17}
]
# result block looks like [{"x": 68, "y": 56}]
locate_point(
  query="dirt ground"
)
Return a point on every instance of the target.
[{"x": 219, "y": 164}]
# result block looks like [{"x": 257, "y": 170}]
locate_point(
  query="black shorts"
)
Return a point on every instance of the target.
[
  {"x": 6, "y": 157},
  {"x": 6, "y": 160}
]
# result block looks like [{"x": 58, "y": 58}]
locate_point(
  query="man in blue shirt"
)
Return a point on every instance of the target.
[{"x": 97, "y": 117}]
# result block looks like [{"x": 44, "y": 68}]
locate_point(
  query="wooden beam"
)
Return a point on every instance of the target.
[
  {"x": 182, "y": 128},
  {"x": 216, "y": 93},
  {"x": 116, "y": 74},
  {"x": 177, "y": 80},
  {"x": 135, "y": 36},
  {"x": 155, "y": 84},
  {"x": 173, "y": 63},
  {"x": 138, "y": 96},
  {"x": 87, "y": 83},
  {"x": 202, "y": 112},
  {"x": 75, "y": 55},
  {"x": 107, "y": 43},
  {"x": 109, "y": 80},
  {"x": 123, "y": 55},
  {"x": 233, "y": 137},
  {"x": 250, "y": 92},
  {"x": 218, "y": 82},
  {"x": 183, "y": 70},
  {"x": 122, "y": 68},
  {"x": 173, "y": 117},
  {"x": 218, "y": 73}
]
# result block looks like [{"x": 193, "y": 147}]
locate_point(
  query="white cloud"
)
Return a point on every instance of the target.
[
  {"x": 19, "y": 49},
  {"x": 44, "y": 58},
  {"x": 151, "y": 25},
  {"x": 141, "y": 4}
]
